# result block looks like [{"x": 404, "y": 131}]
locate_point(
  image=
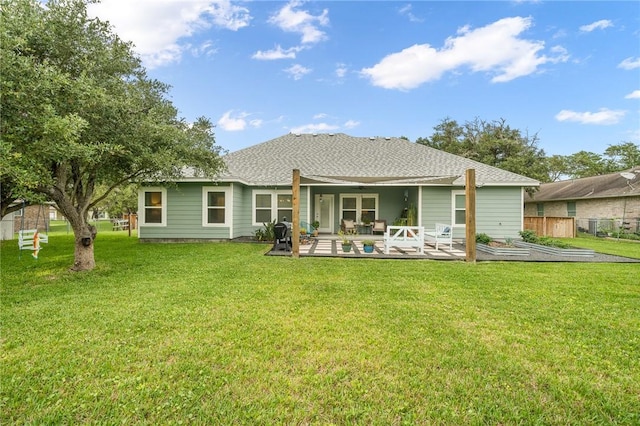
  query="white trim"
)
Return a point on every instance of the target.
[
  {"x": 453, "y": 208},
  {"x": 274, "y": 203},
  {"x": 142, "y": 208},
  {"x": 419, "y": 218},
  {"x": 228, "y": 202},
  {"x": 330, "y": 199},
  {"x": 359, "y": 198}
]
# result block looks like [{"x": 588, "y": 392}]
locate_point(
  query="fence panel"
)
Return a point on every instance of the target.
[{"x": 557, "y": 227}]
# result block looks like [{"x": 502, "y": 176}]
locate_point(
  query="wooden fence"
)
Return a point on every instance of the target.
[{"x": 558, "y": 227}]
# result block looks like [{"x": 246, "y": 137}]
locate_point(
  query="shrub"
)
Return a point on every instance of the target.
[
  {"x": 529, "y": 236},
  {"x": 483, "y": 238},
  {"x": 265, "y": 233}
]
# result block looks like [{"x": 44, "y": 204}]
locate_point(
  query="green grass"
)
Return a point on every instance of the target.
[
  {"x": 220, "y": 334},
  {"x": 618, "y": 247}
]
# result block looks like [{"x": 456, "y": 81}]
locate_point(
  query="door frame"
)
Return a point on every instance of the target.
[{"x": 317, "y": 211}]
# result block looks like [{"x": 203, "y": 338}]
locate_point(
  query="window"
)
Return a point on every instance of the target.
[
  {"x": 459, "y": 208},
  {"x": 540, "y": 208},
  {"x": 153, "y": 206},
  {"x": 359, "y": 207},
  {"x": 216, "y": 202},
  {"x": 270, "y": 205},
  {"x": 571, "y": 209}
]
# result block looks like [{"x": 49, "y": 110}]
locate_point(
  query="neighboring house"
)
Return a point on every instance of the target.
[
  {"x": 599, "y": 203},
  {"x": 341, "y": 177}
]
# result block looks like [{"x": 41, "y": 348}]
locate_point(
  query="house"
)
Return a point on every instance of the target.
[
  {"x": 599, "y": 203},
  {"x": 341, "y": 177}
]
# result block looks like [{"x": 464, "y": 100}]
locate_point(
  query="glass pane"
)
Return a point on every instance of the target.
[
  {"x": 153, "y": 198},
  {"x": 263, "y": 216},
  {"x": 263, "y": 200},
  {"x": 215, "y": 216},
  {"x": 284, "y": 200},
  {"x": 460, "y": 204},
  {"x": 368, "y": 216},
  {"x": 460, "y": 217},
  {"x": 349, "y": 203},
  {"x": 349, "y": 215},
  {"x": 369, "y": 203},
  {"x": 215, "y": 199},
  {"x": 153, "y": 215},
  {"x": 282, "y": 214}
]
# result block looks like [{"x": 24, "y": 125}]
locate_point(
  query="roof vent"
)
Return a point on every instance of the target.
[
  {"x": 315, "y": 134},
  {"x": 387, "y": 138},
  {"x": 332, "y": 134},
  {"x": 372, "y": 138}
]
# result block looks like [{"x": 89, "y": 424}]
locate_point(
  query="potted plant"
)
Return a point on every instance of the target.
[
  {"x": 368, "y": 245},
  {"x": 345, "y": 241},
  {"x": 315, "y": 226}
]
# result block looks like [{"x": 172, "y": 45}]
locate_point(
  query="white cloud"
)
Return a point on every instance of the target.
[
  {"x": 603, "y": 117},
  {"x": 233, "y": 124},
  {"x": 495, "y": 49},
  {"x": 257, "y": 123},
  {"x": 350, "y": 124},
  {"x": 633, "y": 95},
  {"x": 598, "y": 25},
  {"x": 157, "y": 26},
  {"x": 407, "y": 11},
  {"x": 301, "y": 21},
  {"x": 297, "y": 71},
  {"x": 277, "y": 53},
  {"x": 630, "y": 63},
  {"x": 320, "y": 116},
  {"x": 341, "y": 70},
  {"x": 314, "y": 128}
]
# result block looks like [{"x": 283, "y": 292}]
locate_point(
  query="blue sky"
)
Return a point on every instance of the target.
[{"x": 568, "y": 71}]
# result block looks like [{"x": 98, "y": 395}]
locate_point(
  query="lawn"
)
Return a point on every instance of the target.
[{"x": 221, "y": 334}]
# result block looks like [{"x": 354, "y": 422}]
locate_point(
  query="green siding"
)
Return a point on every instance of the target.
[
  {"x": 184, "y": 216},
  {"x": 499, "y": 210}
]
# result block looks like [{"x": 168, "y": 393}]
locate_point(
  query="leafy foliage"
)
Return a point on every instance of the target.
[
  {"x": 266, "y": 233},
  {"x": 490, "y": 142},
  {"x": 495, "y": 143},
  {"x": 529, "y": 236},
  {"x": 81, "y": 118},
  {"x": 482, "y": 238}
]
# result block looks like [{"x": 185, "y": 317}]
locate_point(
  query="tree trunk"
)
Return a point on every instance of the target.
[{"x": 84, "y": 259}]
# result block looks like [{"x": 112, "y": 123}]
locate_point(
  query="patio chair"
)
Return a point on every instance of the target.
[
  {"x": 379, "y": 225},
  {"x": 282, "y": 236},
  {"x": 348, "y": 226}
]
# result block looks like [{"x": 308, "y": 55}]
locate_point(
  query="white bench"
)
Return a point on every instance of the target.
[
  {"x": 404, "y": 237},
  {"x": 26, "y": 239},
  {"x": 442, "y": 234}
]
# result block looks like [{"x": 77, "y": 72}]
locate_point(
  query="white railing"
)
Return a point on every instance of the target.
[{"x": 404, "y": 237}]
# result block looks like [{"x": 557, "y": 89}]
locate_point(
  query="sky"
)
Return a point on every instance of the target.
[{"x": 567, "y": 72}]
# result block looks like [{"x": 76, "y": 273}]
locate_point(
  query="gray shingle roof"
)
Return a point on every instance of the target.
[
  {"x": 604, "y": 186},
  {"x": 340, "y": 158}
]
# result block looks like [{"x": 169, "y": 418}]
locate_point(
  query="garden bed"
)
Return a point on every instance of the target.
[
  {"x": 555, "y": 250},
  {"x": 503, "y": 250}
]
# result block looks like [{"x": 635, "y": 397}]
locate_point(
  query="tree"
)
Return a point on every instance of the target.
[
  {"x": 585, "y": 164},
  {"x": 494, "y": 143},
  {"x": 624, "y": 156},
  {"x": 79, "y": 114}
]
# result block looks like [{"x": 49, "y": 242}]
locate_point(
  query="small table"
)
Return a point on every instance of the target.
[{"x": 364, "y": 228}]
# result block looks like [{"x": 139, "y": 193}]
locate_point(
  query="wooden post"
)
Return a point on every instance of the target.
[
  {"x": 295, "y": 220},
  {"x": 470, "y": 212}
]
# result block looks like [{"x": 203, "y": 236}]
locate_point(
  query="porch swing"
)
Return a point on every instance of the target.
[{"x": 30, "y": 239}]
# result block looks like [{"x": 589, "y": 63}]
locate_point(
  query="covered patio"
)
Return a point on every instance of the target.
[{"x": 328, "y": 245}]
